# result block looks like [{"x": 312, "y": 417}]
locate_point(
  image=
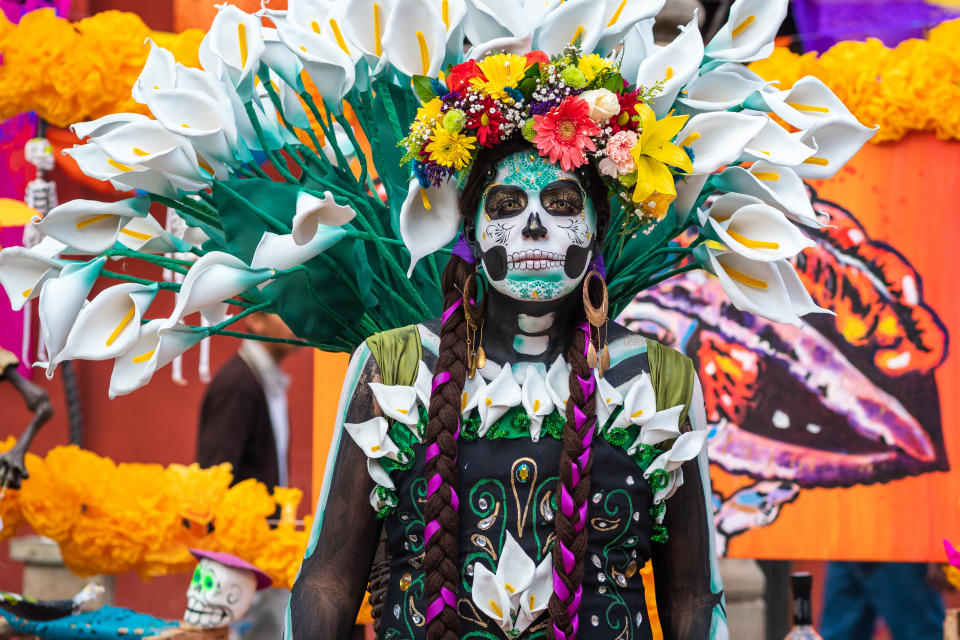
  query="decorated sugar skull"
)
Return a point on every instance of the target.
[
  {"x": 534, "y": 228},
  {"x": 39, "y": 153},
  {"x": 221, "y": 589}
]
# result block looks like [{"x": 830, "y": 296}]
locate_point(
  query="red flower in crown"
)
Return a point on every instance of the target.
[
  {"x": 487, "y": 123},
  {"x": 536, "y": 56},
  {"x": 628, "y": 104},
  {"x": 565, "y": 132},
  {"x": 459, "y": 76}
]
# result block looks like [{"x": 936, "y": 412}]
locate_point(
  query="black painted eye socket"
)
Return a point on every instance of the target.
[
  {"x": 562, "y": 198},
  {"x": 503, "y": 201}
]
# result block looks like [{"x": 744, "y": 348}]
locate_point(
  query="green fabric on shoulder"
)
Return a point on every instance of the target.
[
  {"x": 671, "y": 374},
  {"x": 398, "y": 353}
]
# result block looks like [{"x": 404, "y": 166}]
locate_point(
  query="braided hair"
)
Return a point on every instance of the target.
[{"x": 576, "y": 460}]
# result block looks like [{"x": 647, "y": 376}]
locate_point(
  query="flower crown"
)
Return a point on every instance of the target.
[{"x": 574, "y": 108}]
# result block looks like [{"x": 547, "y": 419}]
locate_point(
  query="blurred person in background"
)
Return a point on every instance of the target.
[{"x": 244, "y": 421}]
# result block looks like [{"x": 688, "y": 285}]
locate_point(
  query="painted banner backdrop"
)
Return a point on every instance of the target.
[{"x": 835, "y": 440}]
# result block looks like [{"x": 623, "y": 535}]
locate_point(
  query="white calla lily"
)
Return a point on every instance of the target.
[
  {"x": 105, "y": 124},
  {"x": 397, "y": 402},
  {"x": 91, "y": 226},
  {"x": 621, "y": 16},
  {"x": 777, "y": 145},
  {"x": 415, "y": 39},
  {"x": 836, "y": 141},
  {"x": 517, "y": 592},
  {"x": 536, "y": 400},
  {"x": 608, "y": 399},
  {"x": 364, "y": 22},
  {"x": 313, "y": 212},
  {"x": 324, "y": 19},
  {"x": 558, "y": 383},
  {"x": 23, "y": 273},
  {"x": 674, "y": 65},
  {"x": 660, "y": 427},
  {"x": 489, "y": 20},
  {"x": 213, "y": 278},
  {"x": 329, "y": 66},
  {"x": 109, "y": 325},
  {"x": 760, "y": 288},
  {"x": 639, "y": 403},
  {"x": 423, "y": 385},
  {"x": 778, "y": 186},
  {"x": 473, "y": 390},
  {"x": 281, "y": 60},
  {"x": 686, "y": 447},
  {"x": 379, "y": 474},
  {"x": 61, "y": 300},
  {"x": 428, "y": 220},
  {"x": 718, "y": 138},
  {"x": 371, "y": 436},
  {"x": 806, "y": 103},
  {"x": 236, "y": 40},
  {"x": 638, "y": 45},
  {"x": 452, "y": 12},
  {"x": 571, "y": 21},
  {"x": 688, "y": 191},
  {"x": 497, "y": 398},
  {"x": 151, "y": 145},
  {"x": 755, "y": 230},
  {"x": 282, "y": 251},
  {"x": 145, "y": 234},
  {"x": 159, "y": 72},
  {"x": 98, "y": 165},
  {"x": 749, "y": 31},
  {"x": 151, "y": 351},
  {"x": 48, "y": 247},
  {"x": 721, "y": 88}
]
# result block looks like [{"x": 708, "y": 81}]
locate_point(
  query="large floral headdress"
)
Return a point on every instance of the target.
[{"x": 263, "y": 157}]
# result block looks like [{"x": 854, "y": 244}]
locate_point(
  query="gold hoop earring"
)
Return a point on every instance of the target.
[
  {"x": 473, "y": 312},
  {"x": 598, "y": 317}
]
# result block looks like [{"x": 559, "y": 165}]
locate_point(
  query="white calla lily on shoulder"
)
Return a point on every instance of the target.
[
  {"x": 429, "y": 220},
  {"x": 90, "y": 226},
  {"x": 749, "y": 31},
  {"x": 718, "y": 138},
  {"x": 571, "y": 21},
  {"x": 836, "y": 141},
  {"x": 371, "y": 436},
  {"x": 659, "y": 427},
  {"x": 502, "y": 394},
  {"x": 473, "y": 390},
  {"x": 536, "y": 400},
  {"x": 234, "y": 39},
  {"x": 151, "y": 351},
  {"x": 558, "y": 383},
  {"x": 23, "y": 273},
  {"x": 397, "y": 402},
  {"x": 686, "y": 447},
  {"x": 608, "y": 399},
  {"x": 778, "y": 186},
  {"x": 674, "y": 65},
  {"x": 109, "y": 325},
  {"x": 379, "y": 475},
  {"x": 212, "y": 279},
  {"x": 423, "y": 385},
  {"x": 61, "y": 300},
  {"x": 415, "y": 39},
  {"x": 753, "y": 229},
  {"x": 639, "y": 403}
]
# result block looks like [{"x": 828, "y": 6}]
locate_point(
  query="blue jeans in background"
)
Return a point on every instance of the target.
[{"x": 857, "y": 593}]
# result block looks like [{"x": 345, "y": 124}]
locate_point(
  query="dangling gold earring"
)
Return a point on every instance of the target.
[
  {"x": 476, "y": 358},
  {"x": 597, "y": 317}
]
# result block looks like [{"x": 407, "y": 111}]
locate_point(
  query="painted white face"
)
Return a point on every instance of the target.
[
  {"x": 535, "y": 229},
  {"x": 218, "y": 595}
]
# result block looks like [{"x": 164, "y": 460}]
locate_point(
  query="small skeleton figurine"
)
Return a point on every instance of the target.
[
  {"x": 221, "y": 589},
  {"x": 12, "y": 468},
  {"x": 41, "y": 194}
]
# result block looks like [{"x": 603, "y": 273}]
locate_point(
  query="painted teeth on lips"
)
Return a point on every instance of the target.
[{"x": 534, "y": 260}]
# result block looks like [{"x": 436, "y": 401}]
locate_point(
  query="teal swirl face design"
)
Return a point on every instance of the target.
[{"x": 535, "y": 229}]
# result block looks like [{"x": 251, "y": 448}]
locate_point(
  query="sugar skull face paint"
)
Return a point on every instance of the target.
[{"x": 535, "y": 229}]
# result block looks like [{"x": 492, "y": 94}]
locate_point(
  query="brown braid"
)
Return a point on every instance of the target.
[{"x": 440, "y": 554}]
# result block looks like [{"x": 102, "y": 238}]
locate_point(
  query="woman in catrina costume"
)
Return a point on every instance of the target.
[{"x": 519, "y": 446}]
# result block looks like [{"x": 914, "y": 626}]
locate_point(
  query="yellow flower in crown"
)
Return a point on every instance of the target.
[
  {"x": 500, "y": 71},
  {"x": 655, "y": 151},
  {"x": 450, "y": 149},
  {"x": 591, "y": 65}
]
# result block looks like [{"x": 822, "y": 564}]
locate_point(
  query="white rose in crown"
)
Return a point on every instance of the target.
[{"x": 603, "y": 104}]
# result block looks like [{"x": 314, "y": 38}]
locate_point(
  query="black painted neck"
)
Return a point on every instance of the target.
[{"x": 501, "y": 325}]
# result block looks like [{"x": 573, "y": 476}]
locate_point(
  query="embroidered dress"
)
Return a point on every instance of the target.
[{"x": 508, "y": 469}]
